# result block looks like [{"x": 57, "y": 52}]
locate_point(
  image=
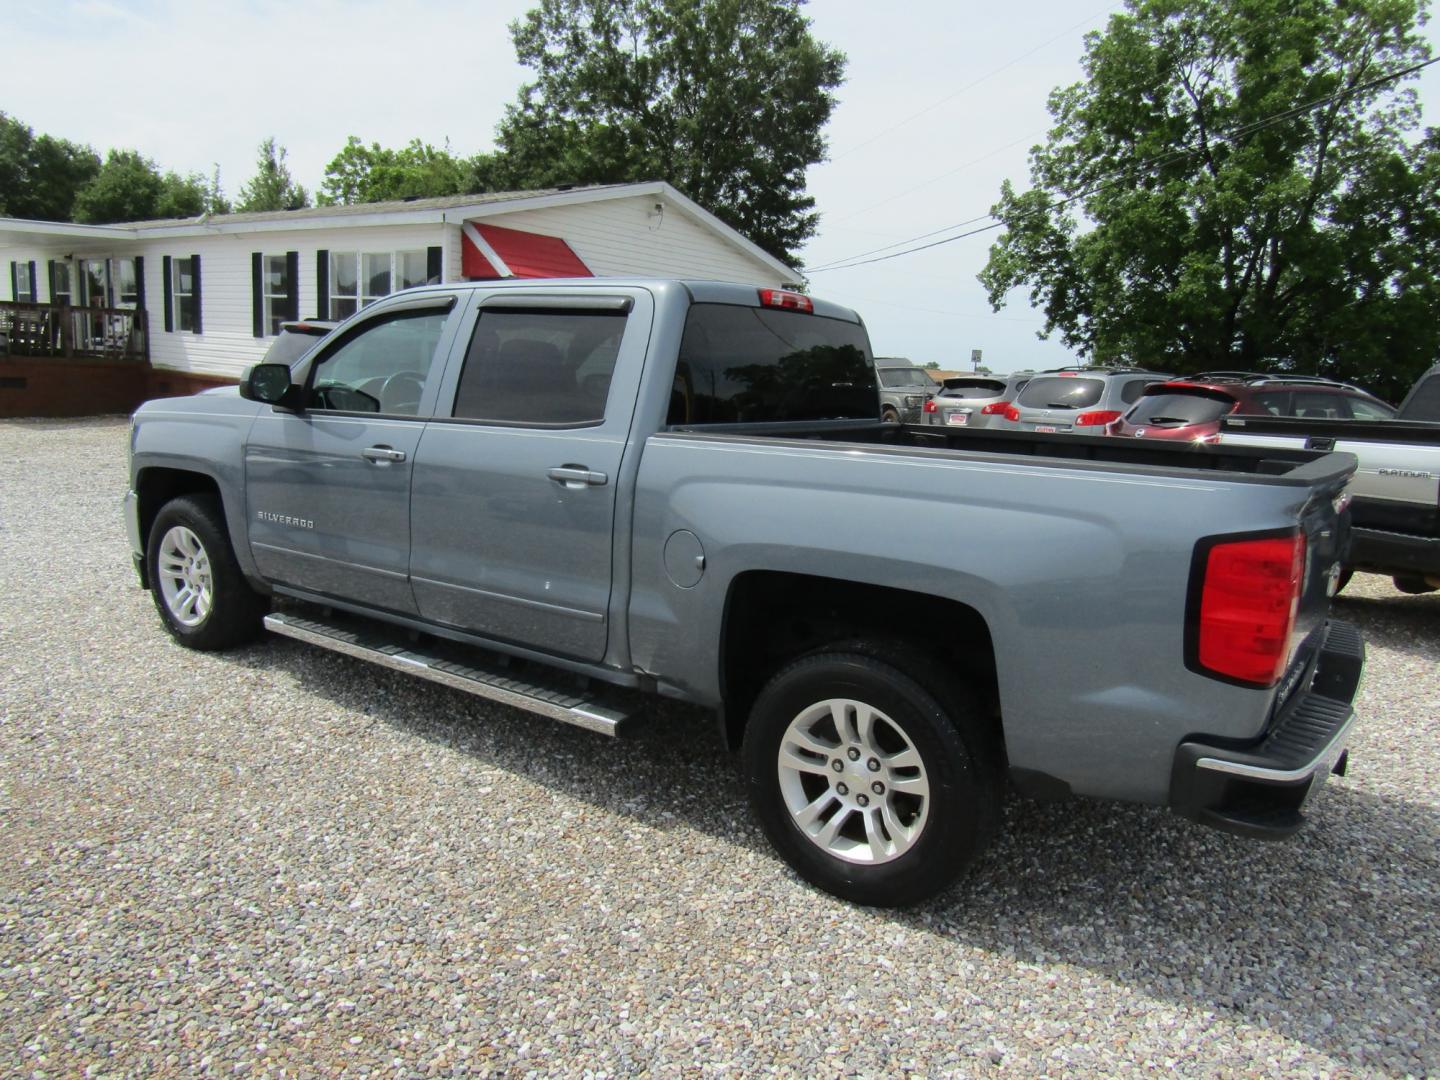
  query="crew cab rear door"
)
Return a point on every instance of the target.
[
  {"x": 327, "y": 487},
  {"x": 515, "y": 486}
]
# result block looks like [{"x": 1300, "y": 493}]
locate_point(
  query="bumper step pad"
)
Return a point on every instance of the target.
[
  {"x": 1259, "y": 790},
  {"x": 456, "y": 667}
]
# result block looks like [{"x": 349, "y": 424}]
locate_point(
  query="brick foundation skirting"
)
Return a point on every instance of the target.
[{"x": 54, "y": 387}]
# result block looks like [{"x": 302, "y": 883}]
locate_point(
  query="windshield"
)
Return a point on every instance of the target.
[
  {"x": 1061, "y": 392},
  {"x": 1179, "y": 407},
  {"x": 913, "y": 376}
]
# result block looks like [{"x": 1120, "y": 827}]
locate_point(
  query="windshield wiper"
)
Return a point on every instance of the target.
[
  {"x": 1060, "y": 405},
  {"x": 1162, "y": 420}
]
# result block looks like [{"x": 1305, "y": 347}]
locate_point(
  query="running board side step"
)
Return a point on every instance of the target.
[{"x": 474, "y": 676}]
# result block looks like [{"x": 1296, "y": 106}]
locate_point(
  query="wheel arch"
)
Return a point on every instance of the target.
[
  {"x": 773, "y": 617},
  {"x": 156, "y": 485}
]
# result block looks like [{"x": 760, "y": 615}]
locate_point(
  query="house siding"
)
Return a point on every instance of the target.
[{"x": 620, "y": 237}]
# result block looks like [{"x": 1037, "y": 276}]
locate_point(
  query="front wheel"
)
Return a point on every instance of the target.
[
  {"x": 871, "y": 774},
  {"x": 203, "y": 598}
]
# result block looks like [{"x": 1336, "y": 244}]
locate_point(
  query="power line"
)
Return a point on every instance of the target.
[
  {"x": 971, "y": 85},
  {"x": 1251, "y": 128}
]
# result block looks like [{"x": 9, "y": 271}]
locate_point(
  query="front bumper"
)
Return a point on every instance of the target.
[{"x": 1259, "y": 790}]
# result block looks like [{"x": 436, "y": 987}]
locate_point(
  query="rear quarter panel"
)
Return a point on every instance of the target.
[{"x": 1080, "y": 571}]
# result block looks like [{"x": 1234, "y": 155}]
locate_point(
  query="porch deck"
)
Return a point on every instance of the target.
[{"x": 65, "y": 332}]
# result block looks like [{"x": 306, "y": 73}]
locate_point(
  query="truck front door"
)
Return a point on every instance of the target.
[
  {"x": 328, "y": 487},
  {"x": 513, "y": 504}
]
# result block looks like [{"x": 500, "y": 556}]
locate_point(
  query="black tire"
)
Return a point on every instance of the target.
[
  {"x": 889, "y": 415},
  {"x": 943, "y": 724},
  {"x": 234, "y": 610}
]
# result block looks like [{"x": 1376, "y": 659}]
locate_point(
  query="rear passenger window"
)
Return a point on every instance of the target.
[
  {"x": 530, "y": 367},
  {"x": 1131, "y": 391},
  {"x": 1315, "y": 406}
]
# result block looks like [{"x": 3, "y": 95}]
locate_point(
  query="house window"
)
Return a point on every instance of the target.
[
  {"x": 60, "y": 291},
  {"x": 94, "y": 289},
  {"x": 24, "y": 287},
  {"x": 126, "y": 282},
  {"x": 358, "y": 279},
  {"x": 276, "y": 291},
  {"x": 187, "y": 293}
]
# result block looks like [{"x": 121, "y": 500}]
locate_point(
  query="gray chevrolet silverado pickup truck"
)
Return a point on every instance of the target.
[{"x": 566, "y": 495}]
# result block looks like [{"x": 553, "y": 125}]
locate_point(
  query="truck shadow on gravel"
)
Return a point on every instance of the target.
[
  {"x": 1330, "y": 938},
  {"x": 1410, "y": 624}
]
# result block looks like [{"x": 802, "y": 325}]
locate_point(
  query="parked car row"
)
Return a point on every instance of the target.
[{"x": 1137, "y": 403}]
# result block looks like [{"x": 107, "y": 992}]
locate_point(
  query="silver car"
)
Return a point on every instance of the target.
[
  {"x": 1078, "y": 401},
  {"x": 974, "y": 400}
]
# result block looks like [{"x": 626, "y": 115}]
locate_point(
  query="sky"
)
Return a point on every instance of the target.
[{"x": 941, "y": 103}]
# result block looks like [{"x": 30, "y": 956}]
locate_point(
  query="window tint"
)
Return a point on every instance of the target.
[
  {"x": 1133, "y": 389},
  {"x": 382, "y": 368},
  {"x": 1365, "y": 409},
  {"x": 1061, "y": 392},
  {"x": 1276, "y": 403},
  {"x": 528, "y": 367},
  {"x": 972, "y": 388},
  {"x": 751, "y": 365},
  {"x": 1317, "y": 406},
  {"x": 1179, "y": 408}
]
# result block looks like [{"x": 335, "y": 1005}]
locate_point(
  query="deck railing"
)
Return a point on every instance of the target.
[{"x": 63, "y": 331}]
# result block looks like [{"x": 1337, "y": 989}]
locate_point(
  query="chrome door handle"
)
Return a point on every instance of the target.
[
  {"x": 382, "y": 455},
  {"x": 577, "y": 476}
]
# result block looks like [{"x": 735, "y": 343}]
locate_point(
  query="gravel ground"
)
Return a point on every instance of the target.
[{"x": 280, "y": 861}]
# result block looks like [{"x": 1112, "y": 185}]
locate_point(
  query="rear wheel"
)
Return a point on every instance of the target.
[
  {"x": 871, "y": 774},
  {"x": 203, "y": 598},
  {"x": 889, "y": 415}
]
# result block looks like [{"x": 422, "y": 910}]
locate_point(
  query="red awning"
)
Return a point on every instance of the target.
[{"x": 490, "y": 251}]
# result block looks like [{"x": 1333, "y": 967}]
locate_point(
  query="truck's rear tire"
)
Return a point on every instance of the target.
[
  {"x": 203, "y": 598},
  {"x": 871, "y": 773}
]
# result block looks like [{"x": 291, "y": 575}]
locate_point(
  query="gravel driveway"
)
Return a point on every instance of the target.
[{"x": 281, "y": 861}]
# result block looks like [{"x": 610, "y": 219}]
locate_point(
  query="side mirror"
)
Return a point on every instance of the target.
[{"x": 271, "y": 384}]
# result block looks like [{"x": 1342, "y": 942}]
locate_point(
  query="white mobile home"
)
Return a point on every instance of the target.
[{"x": 192, "y": 302}]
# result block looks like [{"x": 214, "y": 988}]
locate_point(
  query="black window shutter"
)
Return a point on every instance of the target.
[
  {"x": 195, "y": 276},
  {"x": 292, "y": 276},
  {"x": 169, "y": 295},
  {"x": 433, "y": 270},
  {"x": 50, "y": 277},
  {"x": 257, "y": 293},
  {"x": 15, "y": 281},
  {"x": 322, "y": 284},
  {"x": 34, "y": 285},
  {"x": 139, "y": 283}
]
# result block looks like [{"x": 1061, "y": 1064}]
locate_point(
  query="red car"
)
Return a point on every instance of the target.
[{"x": 1190, "y": 409}]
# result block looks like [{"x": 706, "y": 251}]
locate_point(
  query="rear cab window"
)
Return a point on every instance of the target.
[{"x": 745, "y": 365}]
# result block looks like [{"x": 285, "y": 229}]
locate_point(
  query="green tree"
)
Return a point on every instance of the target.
[
  {"x": 271, "y": 188},
  {"x": 130, "y": 187},
  {"x": 40, "y": 175},
  {"x": 725, "y": 99},
  {"x": 1192, "y": 210},
  {"x": 362, "y": 174}
]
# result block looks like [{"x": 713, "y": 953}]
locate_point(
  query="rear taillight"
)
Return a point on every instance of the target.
[
  {"x": 1098, "y": 418},
  {"x": 788, "y": 301},
  {"x": 998, "y": 408},
  {"x": 1012, "y": 413},
  {"x": 930, "y": 406},
  {"x": 1244, "y": 606}
]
